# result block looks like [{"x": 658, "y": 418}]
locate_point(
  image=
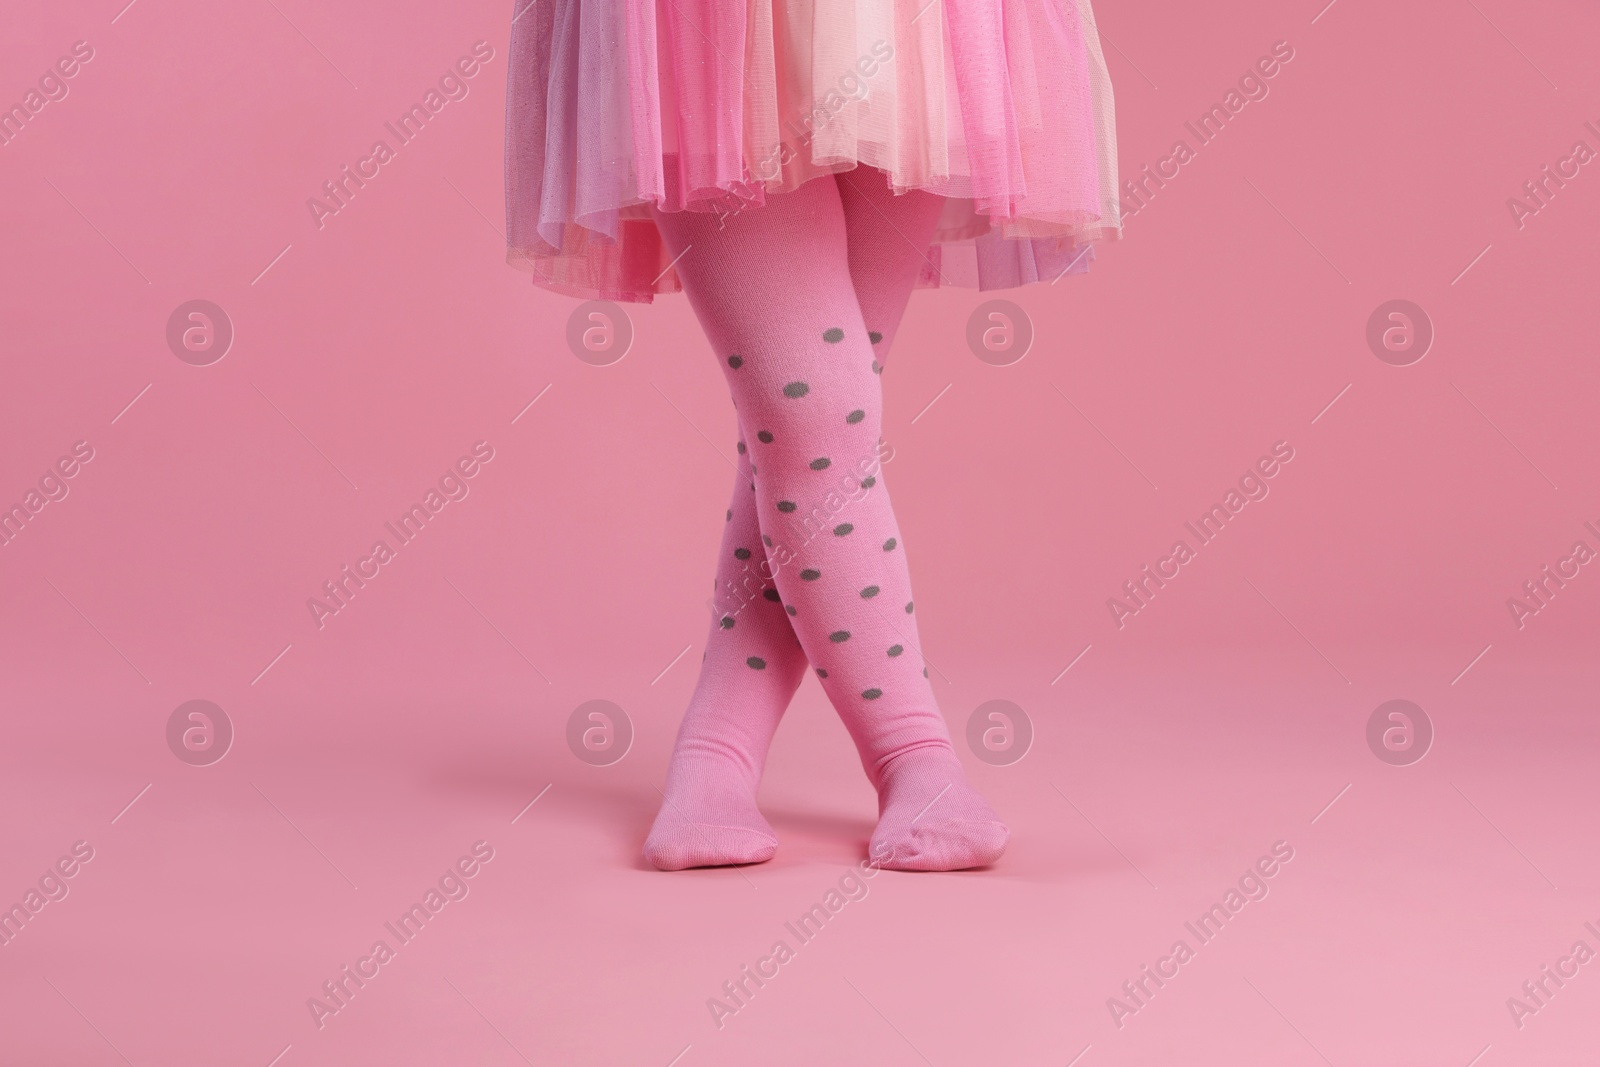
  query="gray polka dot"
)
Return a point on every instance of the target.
[
  {"x": 766, "y": 540},
  {"x": 888, "y": 546},
  {"x": 855, "y": 416},
  {"x": 895, "y": 650},
  {"x": 730, "y": 515},
  {"x": 741, "y": 448},
  {"x": 772, "y": 595},
  {"x": 790, "y": 609},
  {"x": 924, "y": 672},
  {"x": 821, "y": 464},
  {"x": 869, "y": 592},
  {"x": 872, "y": 694},
  {"x": 868, "y": 483},
  {"x": 735, "y": 362},
  {"x": 796, "y": 390},
  {"x": 757, "y": 662},
  {"x": 833, "y": 335},
  {"x": 810, "y": 575},
  {"x": 821, "y": 673},
  {"x": 741, "y": 553},
  {"x": 874, "y": 336},
  {"x": 764, "y": 437},
  {"x": 787, "y": 506},
  {"x": 727, "y": 622},
  {"x": 876, "y": 367},
  {"x": 908, "y": 607},
  {"x": 838, "y": 531},
  {"x": 839, "y": 635}
]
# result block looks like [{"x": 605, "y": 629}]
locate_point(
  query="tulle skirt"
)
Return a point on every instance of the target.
[{"x": 1003, "y": 107}]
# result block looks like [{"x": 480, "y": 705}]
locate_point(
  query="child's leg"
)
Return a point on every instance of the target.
[
  {"x": 772, "y": 287},
  {"x": 888, "y": 238},
  {"x": 708, "y": 814}
]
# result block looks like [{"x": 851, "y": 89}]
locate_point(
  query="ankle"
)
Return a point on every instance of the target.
[{"x": 919, "y": 757}]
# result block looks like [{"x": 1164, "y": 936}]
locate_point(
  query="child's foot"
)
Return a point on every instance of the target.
[
  {"x": 708, "y": 818},
  {"x": 931, "y": 819}
]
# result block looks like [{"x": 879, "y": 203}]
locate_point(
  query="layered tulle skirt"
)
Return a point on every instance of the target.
[{"x": 615, "y": 107}]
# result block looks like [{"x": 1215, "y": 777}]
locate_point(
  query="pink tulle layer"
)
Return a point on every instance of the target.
[{"x": 1003, "y": 107}]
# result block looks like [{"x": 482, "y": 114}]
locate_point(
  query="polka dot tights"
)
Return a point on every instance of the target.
[{"x": 800, "y": 299}]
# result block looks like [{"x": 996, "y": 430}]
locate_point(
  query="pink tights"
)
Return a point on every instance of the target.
[{"x": 800, "y": 299}]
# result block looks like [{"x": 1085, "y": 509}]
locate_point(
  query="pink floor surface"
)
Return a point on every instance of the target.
[{"x": 1423, "y": 906}]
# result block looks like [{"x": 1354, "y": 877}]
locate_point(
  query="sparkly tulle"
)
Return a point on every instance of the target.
[{"x": 1003, "y": 107}]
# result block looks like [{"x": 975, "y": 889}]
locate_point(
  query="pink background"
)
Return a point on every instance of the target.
[{"x": 373, "y": 752}]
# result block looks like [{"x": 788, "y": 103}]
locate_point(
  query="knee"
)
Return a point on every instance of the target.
[
  {"x": 793, "y": 428},
  {"x": 810, "y": 495},
  {"x": 834, "y": 459}
]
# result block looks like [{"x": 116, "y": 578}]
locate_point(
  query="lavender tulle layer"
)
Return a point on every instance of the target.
[{"x": 618, "y": 108}]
